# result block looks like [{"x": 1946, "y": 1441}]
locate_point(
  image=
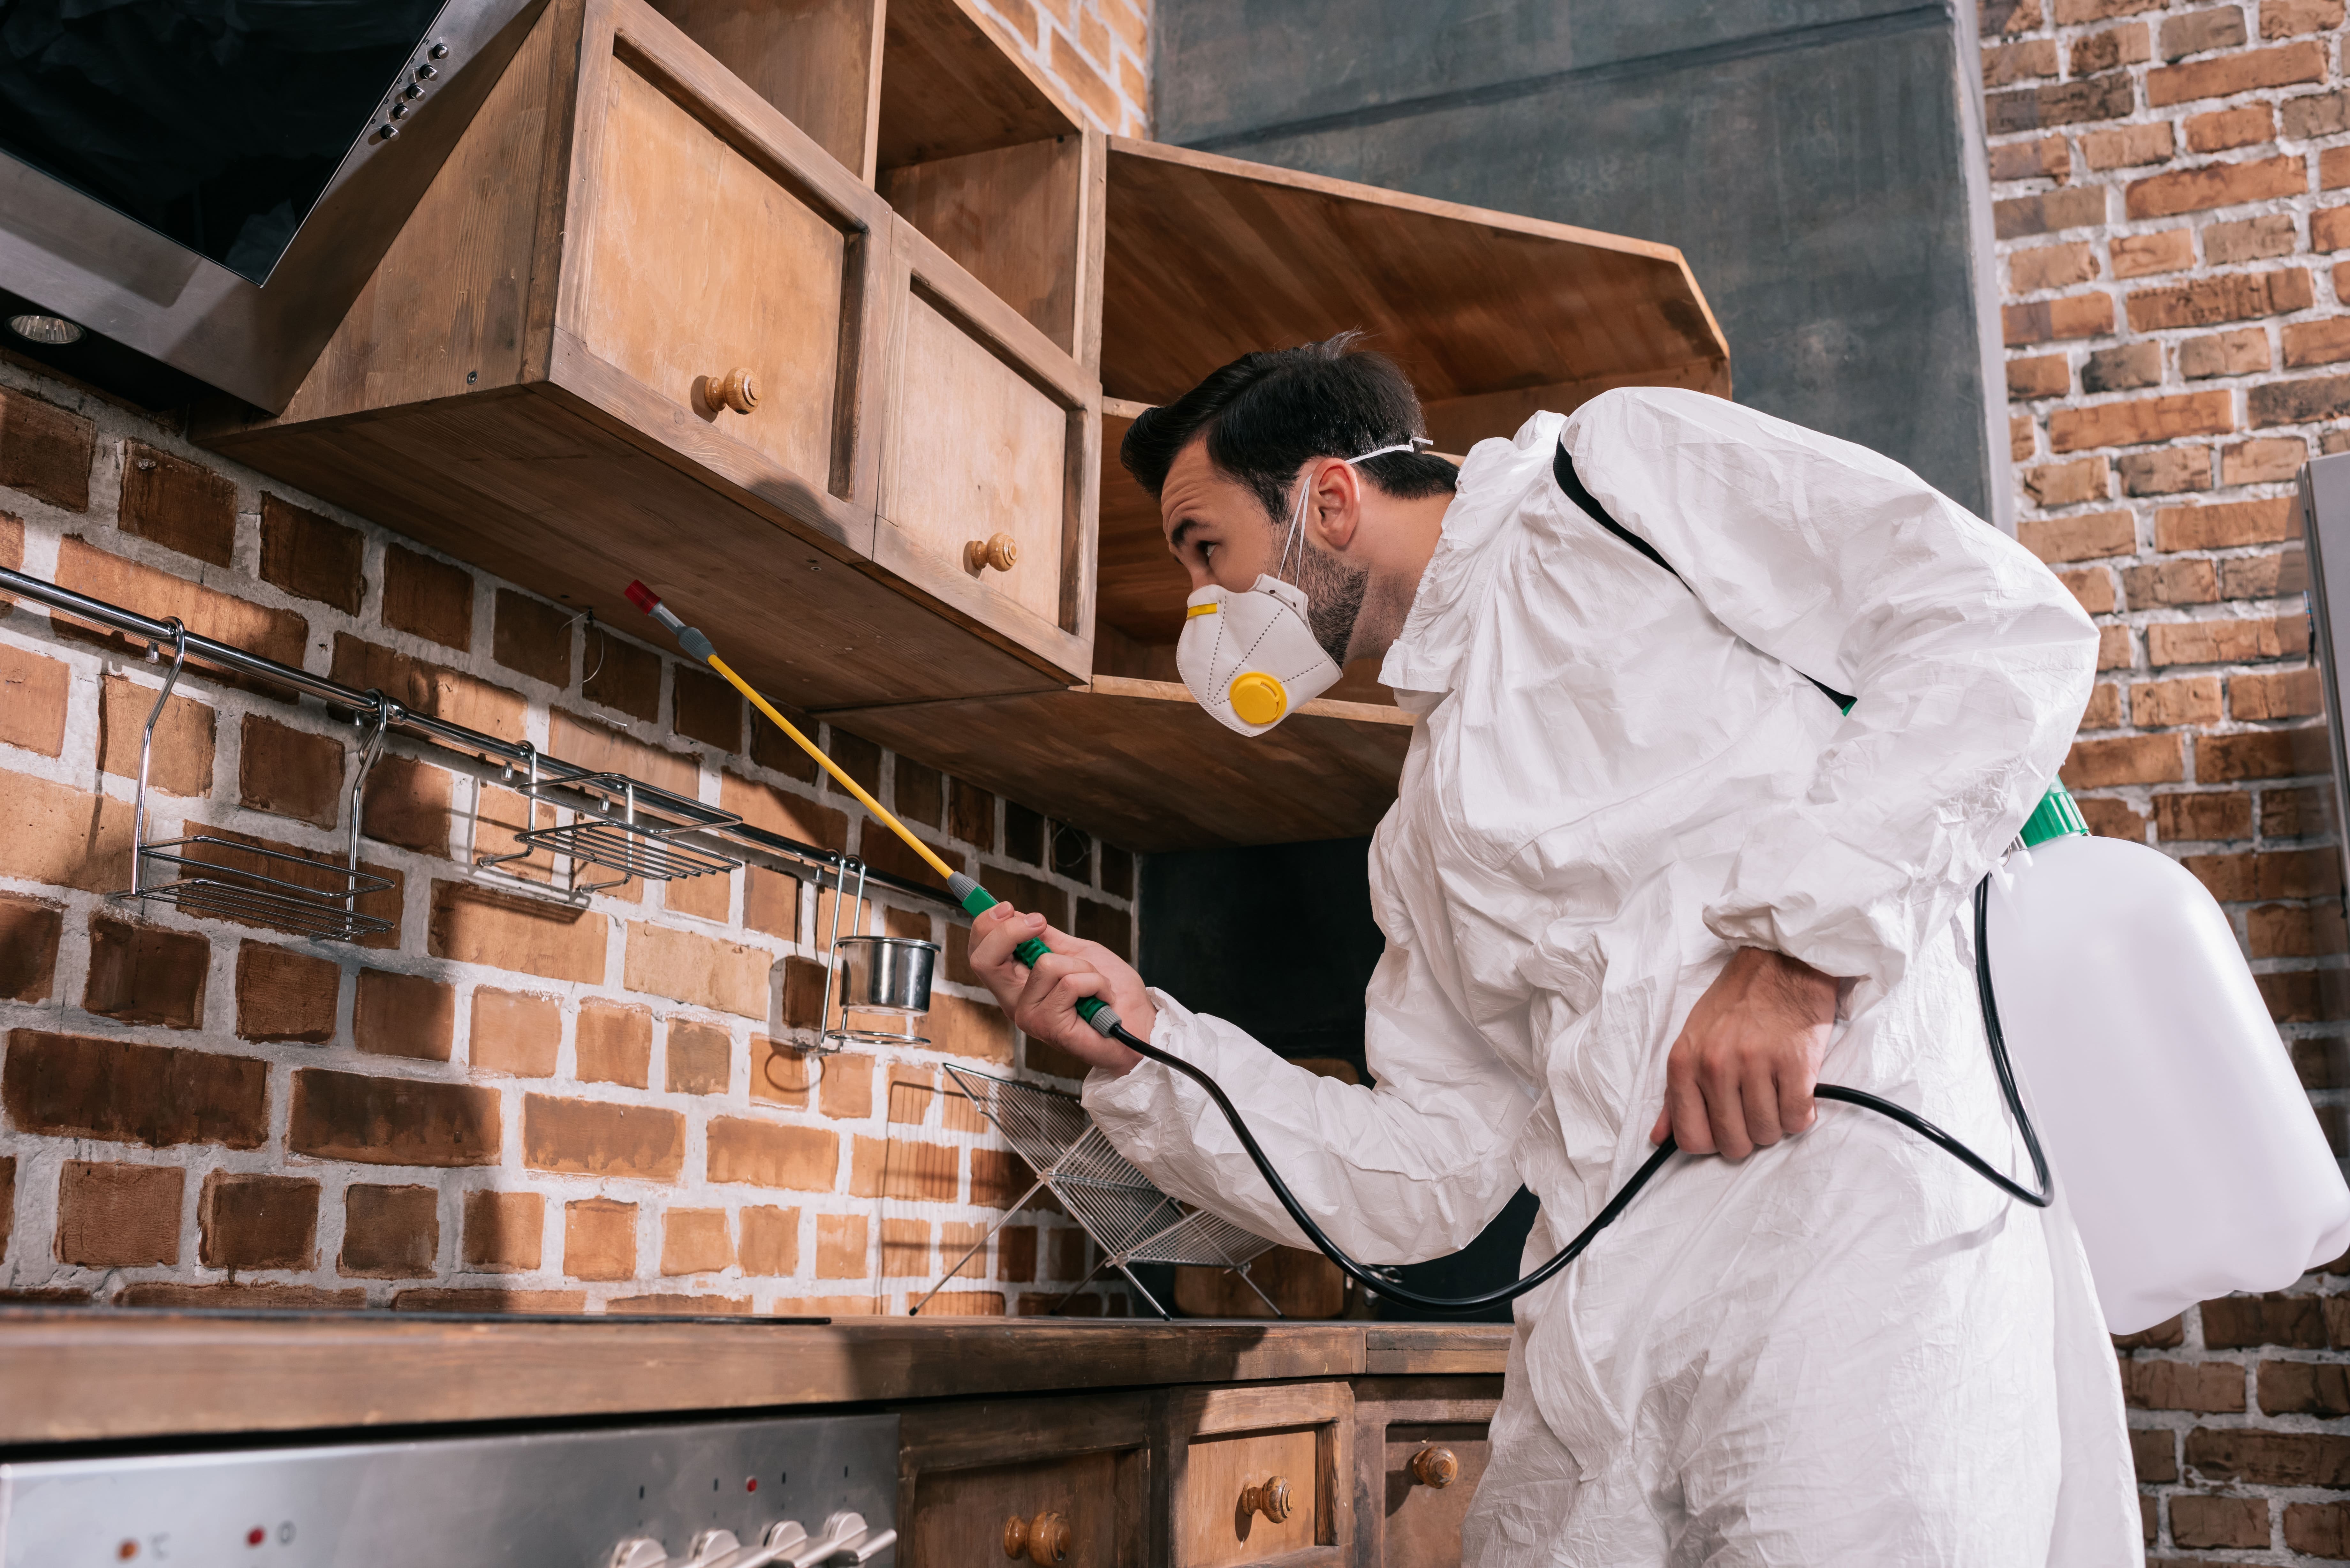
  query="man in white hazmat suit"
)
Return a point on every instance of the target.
[{"x": 1641, "y": 875}]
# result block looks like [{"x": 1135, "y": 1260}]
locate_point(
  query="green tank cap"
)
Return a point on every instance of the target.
[{"x": 2055, "y": 817}]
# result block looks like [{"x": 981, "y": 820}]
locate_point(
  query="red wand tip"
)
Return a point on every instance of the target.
[{"x": 643, "y": 598}]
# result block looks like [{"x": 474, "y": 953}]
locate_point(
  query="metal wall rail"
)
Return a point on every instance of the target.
[{"x": 825, "y": 863}]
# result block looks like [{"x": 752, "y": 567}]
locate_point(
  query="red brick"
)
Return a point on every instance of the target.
[
  {"x": 2235, "y": 296},
  {"x": 2197, "y": 32},
  {"x": 2114, "y": 47},
  {"x": 2279, "y": 930},
  {"x": 310, "y": 555},
  {"x": 621, "y": 675},
  {"x": 699, "y": 1058},
  {"x": 2326, "y": 342},
  {"x": 237, "y": 1296},
  {"x": 777, "y": 811},
  {"x": 2225, "y": 525},
  {"x": 32, "y": 700},
  {"x": 704, "y": 972},
  {"x": 410, "y": 1015},
  {"x": 771, "y": 902},
  {"x": 771, "y": 748},
  {"x": 2305, "y": 996},
  {"x": 119, "y": 1216},
  {"x": 2043, "y": 375},
  {"x": 531, "y": 935},
  {"x": 2105, "y": 818},
  {"x": 2226, "y": 641},
  {"x": 2049, "y": 157},
  {"x": 707, "y": 897},
  {"x": 29, "y": 933},
  {"x": 2108, "y": 97},
  {"x": 145, "y": 974},
  {"x": 2254, "y": 68},
  {"x": 2129, "y": 759},
  {"x": 2236, "y": 352},
  {"x": 181, "y": 759},
  {"x": 1072, "y": 72},
  {"x": 182, "y": 505},
  {"x": 783, "y": 1072},
  {"x": 2259, "y": 754},
  {"x": 771, "y": 1241},
  {"x": 2289, "y": 694},
  {"x": 2145, "y": 420},
  {"x": 614, "y": 1044},
  {"x": 2295, "y": 813},
  {"x": 2266, "y": 461},
  {"x": 499, "y": 818},
  {"x": 2070, "y": 207},
  {"x": 2299, "y": 402},
  {"x": 2305, "y": 1388},
  {"x": 2317, "y": 1529},
  {"x": 599, "y": 1239},
  {"x": 2283, "y": 18},
  {"x": 2223, "y": 130},
  {"x": 2124, "y": 368},
  {"x": 2124, "y": 146},
  {"x": 2082, "y": 537},
  {"x": 1113, "y": 929},
  {"x": 706, "y": 708},
  {"x": 840, "y": 1246},
  {"x": 290, "y": 771},
  {"x": 390, "y": 1232},
  {"x": 2212, "y": 185},
  {"x": 847, "y": 1089},
  {"x": 2105, "y": 709},
  {"x": 254, "y": 1220},
  {"x": 2178, "y": 581},
  {"x": 2167, "y": 1334},
  {"x": 282, "y": 994},
  {"x": 532, "y": 637},
  {"x": 695, "y": 1241},
  {"x": 504, "y": 1232},
  {"x": 2251, "y": 239},
  {"x": 772, "y": 1154},
  {"x": 273, "y": 633},
  {"x": 392, "y": 1121},
  {"x": 594, "y": 745},
  {"x": 906, "y": 1251},
  {"x": 432, "y": 598},
  {"x": 515, "y": 1033},
  {"x": 74, "y": 1086},
  {"x": 670, "y": 1304},
  {"x": 886, "y": 853},
  {"x": 2166, "y": 471},
  {"x": 2198, "y": 1520},
  {"x": 2315, "y": 115},
  {"x": 2270, "y": 1458},
  {"x": 2200, "y": 1385},
  {"x": 2141, "y": 256},
  {"x": 408, "y": 802},
  {"x": 597, "y": 1137},
  {"x": 46, "y": 451},
  {"x": 432, "y": 689}
]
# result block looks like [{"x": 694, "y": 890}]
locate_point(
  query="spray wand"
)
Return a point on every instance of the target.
[{"x": 1097, "y": 1012}]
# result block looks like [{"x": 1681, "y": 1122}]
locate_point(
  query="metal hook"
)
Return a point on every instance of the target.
[{"x": 147, "y": 752}]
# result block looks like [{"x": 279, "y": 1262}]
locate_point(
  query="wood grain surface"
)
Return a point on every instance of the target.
[
  {"x": 952, "y": 83},
  {"x": 105, "y": 1373},
  {"x": 816, "y": 60}
]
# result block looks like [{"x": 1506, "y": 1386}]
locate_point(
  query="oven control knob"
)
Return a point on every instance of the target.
[
  {"x": 711, "y": 1547},
  {"x": 638, "y": 1551}
]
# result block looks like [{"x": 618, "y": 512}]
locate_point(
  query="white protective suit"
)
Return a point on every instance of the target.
[{"x": 1846, "y": 1349}]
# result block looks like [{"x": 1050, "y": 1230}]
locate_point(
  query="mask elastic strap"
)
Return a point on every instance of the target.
[{"x": 1297, "y": 513}]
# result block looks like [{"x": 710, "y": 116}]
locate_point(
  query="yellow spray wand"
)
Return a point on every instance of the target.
[{"x": 966, "y": 890}]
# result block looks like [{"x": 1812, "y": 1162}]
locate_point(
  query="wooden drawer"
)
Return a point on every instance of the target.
[
  {"x": 535, "y": 381},
  {"x": 1257, "y": 1476},
  {"x": 1408, "y": 1515},
  {"x": 969, "y": 1470}
]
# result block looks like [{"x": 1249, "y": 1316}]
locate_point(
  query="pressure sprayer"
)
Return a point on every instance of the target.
[{"x": 2193, "y": 1164}]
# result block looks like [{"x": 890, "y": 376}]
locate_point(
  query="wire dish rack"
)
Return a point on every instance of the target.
[
  {"x": 1130, "y": 1220},
  {"x": 231, "y": 877},
  {"x": 634, "y": 829}
]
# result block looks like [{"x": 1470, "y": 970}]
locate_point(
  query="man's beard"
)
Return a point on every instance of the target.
[{"x": 1334, "y": 600}]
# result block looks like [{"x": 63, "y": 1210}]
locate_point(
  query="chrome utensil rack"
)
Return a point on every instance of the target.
[
  {"x": 609, "y": 832},
  {"x": 1130, "y": 1220},
  {"x": 206, "y": 874},
  {"x": 824, "y": 865}
]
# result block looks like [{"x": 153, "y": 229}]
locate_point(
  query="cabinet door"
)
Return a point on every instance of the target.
[
  {"x": 1421, "y": 1445},
  {"x": 977, "y": 1476},
  {"x": 988, "y": 450},
  {"x": 1258, "y": 1475}
]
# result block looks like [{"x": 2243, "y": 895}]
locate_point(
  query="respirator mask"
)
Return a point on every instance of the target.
[{"x": 1252, "y": 658}]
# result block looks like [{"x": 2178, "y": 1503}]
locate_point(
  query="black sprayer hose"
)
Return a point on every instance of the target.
[{"x": 1373, "y": 1280}]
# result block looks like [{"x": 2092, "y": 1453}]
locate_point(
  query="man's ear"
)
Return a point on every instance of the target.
[{"x": 1336, "y": 510}]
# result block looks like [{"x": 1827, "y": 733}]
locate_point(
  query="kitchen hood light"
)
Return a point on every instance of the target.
[{"x": 51, "y": 329}]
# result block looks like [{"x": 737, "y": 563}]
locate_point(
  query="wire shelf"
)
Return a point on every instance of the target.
[
  {"x": 1129, "y": 1219},
  {"x": 620, "y": 832},
  {"x": 211, "y": 876}
]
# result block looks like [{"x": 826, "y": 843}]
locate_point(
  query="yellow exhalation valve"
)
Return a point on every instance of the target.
[{"x": 1258, "y": 698}]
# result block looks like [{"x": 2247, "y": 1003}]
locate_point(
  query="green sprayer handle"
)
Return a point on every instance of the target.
[{"x": 978, "y": 899}]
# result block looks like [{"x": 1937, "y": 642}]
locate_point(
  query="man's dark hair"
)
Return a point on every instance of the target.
[{"x": 1266, "y": 415}]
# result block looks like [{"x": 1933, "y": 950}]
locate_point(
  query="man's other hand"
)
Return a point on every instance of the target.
[
  {"x": 1043, "y": 1002},
  {"x": 1741, "y": 1076}
]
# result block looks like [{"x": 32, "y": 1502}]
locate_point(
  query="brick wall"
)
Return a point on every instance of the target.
[
  {"x": 2172, "y": 206},
  {"x": 505, "y": 1102},
  {"x": 1099, "y": 50}
]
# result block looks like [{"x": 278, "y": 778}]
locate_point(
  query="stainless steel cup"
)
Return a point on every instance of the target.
[{"x": 887, "y": 974}]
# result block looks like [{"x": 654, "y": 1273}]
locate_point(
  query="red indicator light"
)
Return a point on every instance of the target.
[
  {"x": 751, "y": 1483},
  {"x": 127, "y": 1551},
  {"x": 255, "y": 1536}
]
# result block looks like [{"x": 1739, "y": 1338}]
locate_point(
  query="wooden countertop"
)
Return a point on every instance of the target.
[{"x": 84, "y": 1376}]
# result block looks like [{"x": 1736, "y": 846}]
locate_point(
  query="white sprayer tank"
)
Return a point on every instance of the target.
[{"x": 2181, "y": 1138}]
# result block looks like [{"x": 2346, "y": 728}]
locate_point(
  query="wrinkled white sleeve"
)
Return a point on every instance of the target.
[
  {"x": 1411, "y": 1169},
  {"x": 1970, "y": 661}
]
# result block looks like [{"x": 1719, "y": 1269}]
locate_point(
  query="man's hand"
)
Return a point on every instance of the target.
[
  {"x": 1739, "y": 1077},
  {"x": 1043, "y": 1002}
]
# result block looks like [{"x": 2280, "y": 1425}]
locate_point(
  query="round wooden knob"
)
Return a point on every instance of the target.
[
  {"x": 737, "y": 389},
  {"x": 1271, "y": 1499},
  {"x": 1044, "y": 1539},
  {"x": 1001, "y": 551},
  {"x": 1436, "y": 1466}
]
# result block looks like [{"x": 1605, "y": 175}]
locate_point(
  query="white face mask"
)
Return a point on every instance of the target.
[{"x": 1252, "y": 658}]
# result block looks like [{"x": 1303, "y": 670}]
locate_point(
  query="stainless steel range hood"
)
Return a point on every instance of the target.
[{"x": 76, "y": 241}]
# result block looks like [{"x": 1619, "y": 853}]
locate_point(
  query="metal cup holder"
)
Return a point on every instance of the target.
[
  {"x": 887, "y": 976},
  {"x": 207, "y": 875}
]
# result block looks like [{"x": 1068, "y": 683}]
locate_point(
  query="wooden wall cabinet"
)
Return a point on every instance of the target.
[
  {"x": 640, "y": 327},
  {"x": 1421, "y": 1446}
]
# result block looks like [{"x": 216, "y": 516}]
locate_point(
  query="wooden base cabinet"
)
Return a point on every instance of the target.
[
  {"x": 1421, "y": 1445},
  {"x": 1047, "y": 1482},
  {"x": 1257, "y": 1476}
]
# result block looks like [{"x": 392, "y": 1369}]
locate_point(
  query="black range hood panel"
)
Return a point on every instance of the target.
[{"x": 210, "y": 184}]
